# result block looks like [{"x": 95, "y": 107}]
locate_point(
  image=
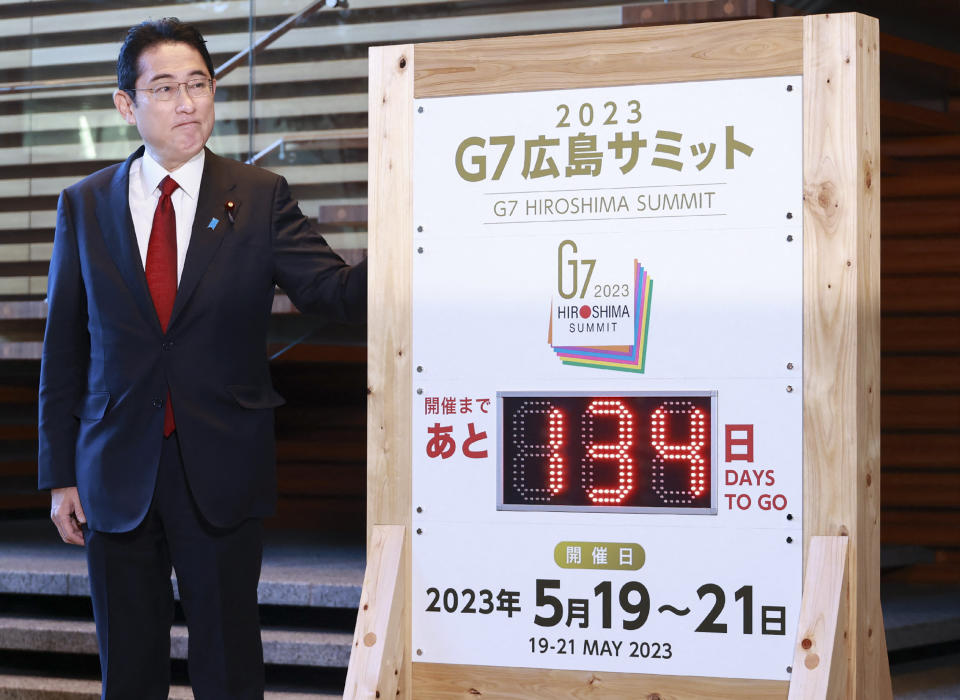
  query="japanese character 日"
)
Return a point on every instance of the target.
[{"x": 739, "y": 442}]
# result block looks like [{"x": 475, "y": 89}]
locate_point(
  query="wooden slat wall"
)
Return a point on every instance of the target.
[
  {"x": 921, "y": 332},
  {"x": 321, "y": 442},
  {"x": 920, "y": 366}
]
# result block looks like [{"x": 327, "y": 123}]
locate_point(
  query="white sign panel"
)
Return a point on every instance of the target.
[{"x": 607, "y": 417}]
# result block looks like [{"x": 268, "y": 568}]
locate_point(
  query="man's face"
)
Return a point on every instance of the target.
[{"x": 176, "y": 130}]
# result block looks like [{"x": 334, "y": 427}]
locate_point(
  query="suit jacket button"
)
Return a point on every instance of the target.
[
  {"x": 167, "y": 345},
  {"x": 158, "y": 403}
]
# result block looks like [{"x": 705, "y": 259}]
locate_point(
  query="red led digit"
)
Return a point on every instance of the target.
[
  {"x": 620, "y": 452},
  {"x": 555, "y": 469},
  {"x": 670, "y": 451},
  {"x": 527, "y": 456}
]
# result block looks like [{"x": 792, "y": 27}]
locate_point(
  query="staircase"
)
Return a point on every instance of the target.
[
  {"x": 313, "y": 560},
  {"x": 922, "y": 625},
  {"x": 308, "y": 592}
]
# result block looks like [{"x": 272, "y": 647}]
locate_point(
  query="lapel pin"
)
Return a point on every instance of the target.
[
  {"x": 231, "y": 208},
  {"x": 213, "y": 223}
]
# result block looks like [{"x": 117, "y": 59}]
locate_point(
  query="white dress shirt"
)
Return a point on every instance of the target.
[{"x": 144, "y": 193}]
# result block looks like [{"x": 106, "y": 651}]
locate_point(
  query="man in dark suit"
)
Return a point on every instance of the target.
[{"x": 156, "y": 404}]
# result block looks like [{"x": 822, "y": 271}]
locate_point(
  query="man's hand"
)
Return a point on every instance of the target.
[{"x": 67, "y": 514}]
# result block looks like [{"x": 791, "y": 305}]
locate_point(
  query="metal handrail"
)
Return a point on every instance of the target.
[
  {"x": 358, "y": 135},
  {"x": 74, "y": 84},
  {"x": 228, "y": 66},
  {"x": 277, "y": 32}
]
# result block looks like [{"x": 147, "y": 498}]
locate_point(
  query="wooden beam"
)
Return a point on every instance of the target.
[
  {"x": 913, "y": 451},
  {"x": 921, "y": 166},
  {"x": 928, "y": 294},
  {"x": 816, "y": 652},
  {"x": 932, "y": 185},
  {"x": 913, "y": 217},
  {"x": 930, "y": 527},
  {"x": 922, "y": 146},
  {"x": 897, "y": 46},
  {"x": 916, "y": 489},
  {"x": 389, "y": 369},
  {"x": 841, "y": 340},
  {"x": 902, "y": 118},
  {"x": 921, "y": 255},
  {"x": 378, "y": 639},
  {"x": 942, "y": 571},
  {"x": 22, "y": 330},
  {"x": 921, "y": 373},
  {"x": 443, "y": 682},
  {"x": 748, "y": 49},
  {"x": 933, "y": 412}
]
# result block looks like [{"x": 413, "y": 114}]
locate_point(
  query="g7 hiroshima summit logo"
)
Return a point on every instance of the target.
[{"x": 601, "y": 324}]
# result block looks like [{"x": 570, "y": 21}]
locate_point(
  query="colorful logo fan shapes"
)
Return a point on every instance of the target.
[{"x": 623, "y": 358}]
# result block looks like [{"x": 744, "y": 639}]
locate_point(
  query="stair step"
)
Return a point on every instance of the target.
[
  {"x": 298, "y": 570},
  {"x": 927, "y": 679},
  {"x": 285, "y": 647},
  {"x": 918, "y": 615},
  {"x": 41, "y": 688},
  {"x": 897, "y": 556}
]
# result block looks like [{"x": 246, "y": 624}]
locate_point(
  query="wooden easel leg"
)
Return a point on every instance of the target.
[
  {"x": 376, "y": 656},
  {"x": 817, "y": 671}
]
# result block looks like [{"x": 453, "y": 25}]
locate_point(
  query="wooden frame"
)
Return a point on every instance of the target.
[
  {"x": 817, "y": 668},
  {"x": 378, "y": 641},
  {"x": 838, "y": 58}
]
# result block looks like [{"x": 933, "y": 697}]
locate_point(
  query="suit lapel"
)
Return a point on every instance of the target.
[
  {"x": 116, "y": 224},
  {"x": 209, "y": 226}
]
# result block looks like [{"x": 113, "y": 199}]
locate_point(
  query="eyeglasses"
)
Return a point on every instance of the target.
[{"x": 164, "y": 92}]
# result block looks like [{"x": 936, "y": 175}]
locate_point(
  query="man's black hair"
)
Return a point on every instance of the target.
[{"x": 148, "y": 34}]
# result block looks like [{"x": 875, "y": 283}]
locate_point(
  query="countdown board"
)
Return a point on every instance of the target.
[
  {"x": 607, "y": 328},
  {"x": 613, "y": 389}
]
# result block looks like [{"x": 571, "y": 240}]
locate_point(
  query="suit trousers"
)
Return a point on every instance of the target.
[{"x": 217, "y": 569}]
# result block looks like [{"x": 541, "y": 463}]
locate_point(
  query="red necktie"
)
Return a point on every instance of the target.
[{"x": 161, "y": 269}]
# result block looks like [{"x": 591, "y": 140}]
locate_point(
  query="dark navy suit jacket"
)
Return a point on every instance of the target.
[{"x": 107, "y": 364}]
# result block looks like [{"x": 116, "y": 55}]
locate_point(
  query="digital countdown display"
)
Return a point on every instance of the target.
[{"x": 631, "y": 452}]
